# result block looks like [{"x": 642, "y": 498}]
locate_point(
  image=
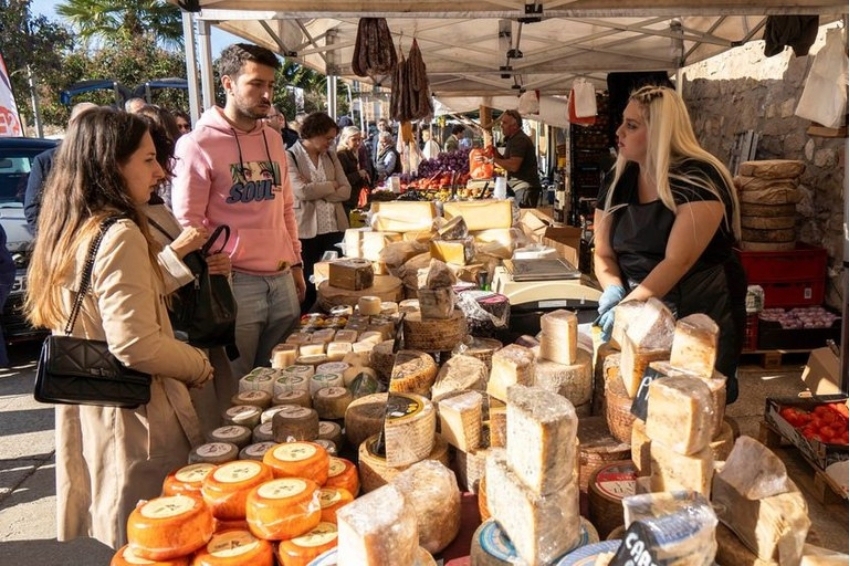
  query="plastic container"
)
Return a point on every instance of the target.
[
  {"x": 805, "y": 263},
  {"x": 501, "y": 189}
]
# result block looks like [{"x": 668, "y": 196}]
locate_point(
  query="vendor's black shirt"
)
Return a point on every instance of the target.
[{"x": 520, "y": 145}]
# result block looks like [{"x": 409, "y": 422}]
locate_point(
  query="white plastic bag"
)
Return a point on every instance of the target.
[
  {"x": 585, "y": 98},
  {"x": 528, "y": 103},
  {"x": 824, "y": 98}
]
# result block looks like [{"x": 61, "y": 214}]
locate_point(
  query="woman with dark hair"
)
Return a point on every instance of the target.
[
  {"x": 183, "y": 121},
  {"x": 320, "y": 187},
  {"x": 107, "y": 459}
]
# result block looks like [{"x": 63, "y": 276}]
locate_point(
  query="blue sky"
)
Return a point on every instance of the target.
[{"x": 219, "y": 39}]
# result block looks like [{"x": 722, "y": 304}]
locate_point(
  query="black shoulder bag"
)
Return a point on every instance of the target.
[
  {"x": 205, "y": 309},
  {"x": 78, "y": 371}
]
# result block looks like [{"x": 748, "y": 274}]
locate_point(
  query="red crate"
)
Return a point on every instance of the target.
[
  {"x": 793, "y": 293},
  {"x": 751, "y": 335},
  {"x": 805, "y": 263}
]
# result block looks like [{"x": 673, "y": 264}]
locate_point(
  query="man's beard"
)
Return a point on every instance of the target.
[{"x": 248, "y": 112}]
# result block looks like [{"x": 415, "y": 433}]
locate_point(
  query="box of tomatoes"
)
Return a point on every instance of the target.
[{"x": 818, "y": 426}]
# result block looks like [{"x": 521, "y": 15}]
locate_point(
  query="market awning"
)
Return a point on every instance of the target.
[{"x": 498, "y": 47}]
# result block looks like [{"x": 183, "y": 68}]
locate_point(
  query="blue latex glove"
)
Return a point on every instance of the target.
[{"x": 611, "y": 297}]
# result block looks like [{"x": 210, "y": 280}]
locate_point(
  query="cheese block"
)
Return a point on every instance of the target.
[
  {"x": 374, "y": 471},
  {"x": 512, "y": 365},
  {"x": 716, "y": 385},
  {"x": 365, "y": 417},
  {"x": 187, "y": 480},
  {"x": 329, "y": 446},
  {"x": 352, "y": 273},
  {"x": 367, "y": 244},
  {"x": 596, "y": 448},
  {"x": 481, "y": 214},
  {"x": 244, "y": 415},
  {"x": 624, "y": 312},
  {"x": 469, "y": 467},
  {"x": 772, "y": 168},
  {"x": 235, "y": 434},
  {"x": 722, "y": 444},
  {"x": 343, "y": 473},
  {"x": 299, "y": 460},
  {"x": 679, "y": 414},
  {"x": 574, "y": 381},
  {"x": 331, "y": 402},
  {"x": 653, "y": 326},
  {"x": 752, "y": 482},
  {"x": 345, "y": 336},
  {"x": 634, "y": 361},
  {"x": 295, "y": 398},
  {"x": 542, "y": 528},
  {"x": 263, "y": 433},
  {"x": 256, "y": 451},
  {"x": 409, "y": 429},
  {"x": 257, "y": 398},
  {"x": 480, "y": 348},
  {"x": 498, "y": 242},
  {"x": 559, "y": 339},
  {"x": 460, "y": 421},
  {"x": 430, "y": 488},
  {"x": 498, "y": 428},
  {"x": 258, "y": 379},
  {"x": 453, "y": 229},
  {"x": 295, "y": 423},
  {"x": 607, "y": 487},
  {"x": 460, "y": 373},
  {"x": 283, "y": 355},
  {"x": 436, "y": 303},
  {"x": 672, "y": 471},
  {"x": 732, "y": 552},
  {"x": 302, "y": 550},
  {"x": 288, "y": 383},
  {"x": 311, "y": 349},
  {"x": 304, "y": 371},
  {"x": 459, "y": 252},
  {"x": 373, "y": 336},
  {"x": 491, "y": 546},
  {"x": 297, "y": 338},
  {"x": 125, "y": 556},
  {"x": 378, "y": 528},
  {"x": 235, "y": 547},
  {"x": 434, "y": 335},
  {"x": 169, "y": 527},
  {"x": 226, "y": 489},
  {"x": 381, "y": 359},
  {"x": 413, "y": 372},
  {"x": 214, "y": 453},
  {"x": 332, "y": 498},
  {"x": 540, "y": 444},
  {"x": 640, "y": 448},
  {"x": 365, "y": 383},
  {"x": 695, "y": 345},
  {"x": 403, "y": 216},
  {"x": 331, "y": 431},
  {"x": 283, "y": 508},
  {"x": 336, "y": 350}
]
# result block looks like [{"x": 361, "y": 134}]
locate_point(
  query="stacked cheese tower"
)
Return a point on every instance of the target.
[
  {"x": 532, "y": 485},
  {"x": 437, "y": 326},
  {"x": 768, "y": 193},
  {"x": 562, "y": 366}
]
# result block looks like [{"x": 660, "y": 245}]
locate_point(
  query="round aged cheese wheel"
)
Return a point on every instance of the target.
[
  {"x": 329, "y": 446},
  {"x": 283, "y": 508},
  {"x": 343, "y": 473},
  {"x": 331, "y": 431},
  {"x": 374, "y": 471},
  {"x": 329, "y": 558},
  {"x": 772, "y": 168},
  {"x": 751, "y": 235},
  {"x": 413, "y": 372},
  {"x": 587, "y": 555},
  {"x": 434, "y": 334},
  {"x": 214, "y": 453},
  {"x": 299, "y": 460},
  {"x": 126, "y": 557},
  {"x": 338, "y": 367},
  {"x": 437, "y": 507},
  {"x": 226, "y": 488},
  {"x": 288, "y": 383},
  {"x": 295, "y": 423},
  {"x": 304, "y": 371},
  {"x": 245, "y": 415},
  {"x": 169, "y": 527},
  {"x": 365, "y": 417},
  {"x": 257, "y": 398},
  {"x": 357, "y": 358},
  {"x": 597, "y": 447},
  {"x": 266, "y": 416},
  {"x": 607, "y": 487},
  {"x": 258, "y": 379},
  {"x": 490, "y": 544},
  {"x": 768, "y": 223},
  {"x": 235, "y": 547},
  {"x": 480, "y": 348},
  {"x": 369, "y": 305},
  {"x": 332, "y": 498},
  {"x": 297, "y": 397},
  {"x": 312, "y": 361},
  {"x": 574, "y": 381},
  {"x": 323, "y": 380},
  {"x": 411, "y": 422},
  {"x": 618, "y": 409},
  {"x": 235, "y": 434},
  {"x": 301, "y": 550},
  {"x": 256, "y": 451},
  {"x": 769, "y": 210},
  {"x": 331, "y": 402},
  {"x": 187, "y": 480}
]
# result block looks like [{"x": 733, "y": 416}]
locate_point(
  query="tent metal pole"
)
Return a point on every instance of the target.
[
  {"x": 191, "y": 66},
  {"x": 207, "y": 87}
]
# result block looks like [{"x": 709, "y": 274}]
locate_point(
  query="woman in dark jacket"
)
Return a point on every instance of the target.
[{"x": 347, "y": 150}]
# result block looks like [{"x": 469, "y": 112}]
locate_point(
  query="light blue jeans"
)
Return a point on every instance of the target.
[{"x": 267, "y": 312}]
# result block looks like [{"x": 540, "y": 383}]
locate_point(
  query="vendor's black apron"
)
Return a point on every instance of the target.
[{"x": 639, "y": 235}]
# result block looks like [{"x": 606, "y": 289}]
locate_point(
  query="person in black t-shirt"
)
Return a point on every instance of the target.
[
  {"x": 519, "y": 160},
  {"x": 666, "y": 222}
]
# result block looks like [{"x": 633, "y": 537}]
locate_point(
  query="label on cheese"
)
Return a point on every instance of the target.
[
  {"x": 229, "y": 432},
  {"x": 294, "y": 452},
  {"x": 131, "y": 558},
  {"x": 617, "y": 481},
  {"x": 282, "y": 488},
  {"x": 495, "y": 542},
  {"x": 337, "y": 466},
  {"x": 232, "y": 544},
  {"x": 165, "y": 507},
  {"x": 326, "y": 428},
  {"x": 321, "y": 535},
  {"x": 213, "y": 449},
  {"x": 295, "y": 412},
  {"x": 401, "y": 408},
  {"x": 252, "y": 395},
  {"x": 234, "y": 472},
  {"x": 194, "y": 473},
  {"x": 328, "y": 497}
]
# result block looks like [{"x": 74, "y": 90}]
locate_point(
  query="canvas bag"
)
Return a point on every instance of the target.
[{"x": 824, "y": 98}]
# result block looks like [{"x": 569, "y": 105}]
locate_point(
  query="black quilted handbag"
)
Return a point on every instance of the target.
[{"x": 77, "y": 371}]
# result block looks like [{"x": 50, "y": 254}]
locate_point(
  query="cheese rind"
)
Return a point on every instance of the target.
[
  {"x": 574, "y": 381},
  {"x": 283, "y": 508},
  {"x": 512, "y": 365},
  {"x": 460, "y": 373},
  {"x": 409, "y": 429},
  {"x": 694, "y": 345},
  {"x": 460, "y": 420},
  {"x": 169, "y": 527},
  {"x": 754, "y": 482},
  {"x": 235, "y": 546},
  {"x": 225, "y": 490},
  {"x": 679, "y": 414},
  {"x": 559, "y": 337},
  {"x": 672, "y": 471}
]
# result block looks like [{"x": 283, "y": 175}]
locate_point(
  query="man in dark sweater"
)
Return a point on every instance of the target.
[{"x": 519, "y": 160}]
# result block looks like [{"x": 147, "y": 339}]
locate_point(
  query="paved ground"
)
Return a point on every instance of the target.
[{"x": 27, "y": 493}]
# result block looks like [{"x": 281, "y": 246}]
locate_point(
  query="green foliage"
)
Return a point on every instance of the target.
[{"x": 120, "y": 21}]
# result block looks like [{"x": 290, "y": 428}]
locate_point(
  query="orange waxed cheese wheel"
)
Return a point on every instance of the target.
[
  {"x": 300, "y": 551},
  {"x": 126, "y": 557},
  {"x": 233, "y": 548},
  {"x": 331, "y": 499},
  {"x": 343, "y": 473},
  {"x": 299, "y": 460},
  {"x": 169, "y": 527},
  {"x": 284, "y": 508},
  {"x": 187, "y": 479},
  {"x": 226, "y": 489},
  {"x": 221, "y": 526}
]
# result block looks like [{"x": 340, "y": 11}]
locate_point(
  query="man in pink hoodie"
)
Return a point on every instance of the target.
[{"x": 231, "y": 169}]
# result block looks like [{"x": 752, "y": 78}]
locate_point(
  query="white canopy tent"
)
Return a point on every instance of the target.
[{"x": 500, "y": 47}]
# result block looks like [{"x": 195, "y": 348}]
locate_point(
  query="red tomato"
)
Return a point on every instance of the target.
[{"x": 826, "y": 433}]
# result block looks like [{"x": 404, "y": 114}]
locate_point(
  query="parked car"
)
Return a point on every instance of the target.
[{"x": 16, "y": 157}]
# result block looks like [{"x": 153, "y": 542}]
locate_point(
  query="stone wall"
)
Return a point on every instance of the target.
[{"x": 722, "y": 107}]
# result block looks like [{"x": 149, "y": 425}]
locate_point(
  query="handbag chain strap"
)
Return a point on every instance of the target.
[
  {"x": 206, "y": 247},
  {"x": 85, "y": 278}
]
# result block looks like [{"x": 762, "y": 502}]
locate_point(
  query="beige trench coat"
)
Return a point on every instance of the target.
[{"x": 108, "y": 459}]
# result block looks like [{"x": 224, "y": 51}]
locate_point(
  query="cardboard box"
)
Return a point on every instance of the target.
[
  {"x": 566, "y": 240},
  {"x": 822, "y": 374}
]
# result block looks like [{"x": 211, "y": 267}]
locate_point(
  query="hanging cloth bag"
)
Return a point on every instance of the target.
[
  {"x": 824, "y": 98},
  {"x": 585, "y": 99}
]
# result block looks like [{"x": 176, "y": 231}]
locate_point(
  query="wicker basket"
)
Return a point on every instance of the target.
[
  {"x": 618, "y": 409},
  {"x": 597, "y": 447}
]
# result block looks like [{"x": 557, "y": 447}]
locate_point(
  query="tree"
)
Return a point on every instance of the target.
[{"x": 124, "y": 20}]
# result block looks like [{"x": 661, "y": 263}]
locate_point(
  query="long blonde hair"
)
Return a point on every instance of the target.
[
  {"x": 85, "y": 186},
  {"x": 670, "y": 142}
]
